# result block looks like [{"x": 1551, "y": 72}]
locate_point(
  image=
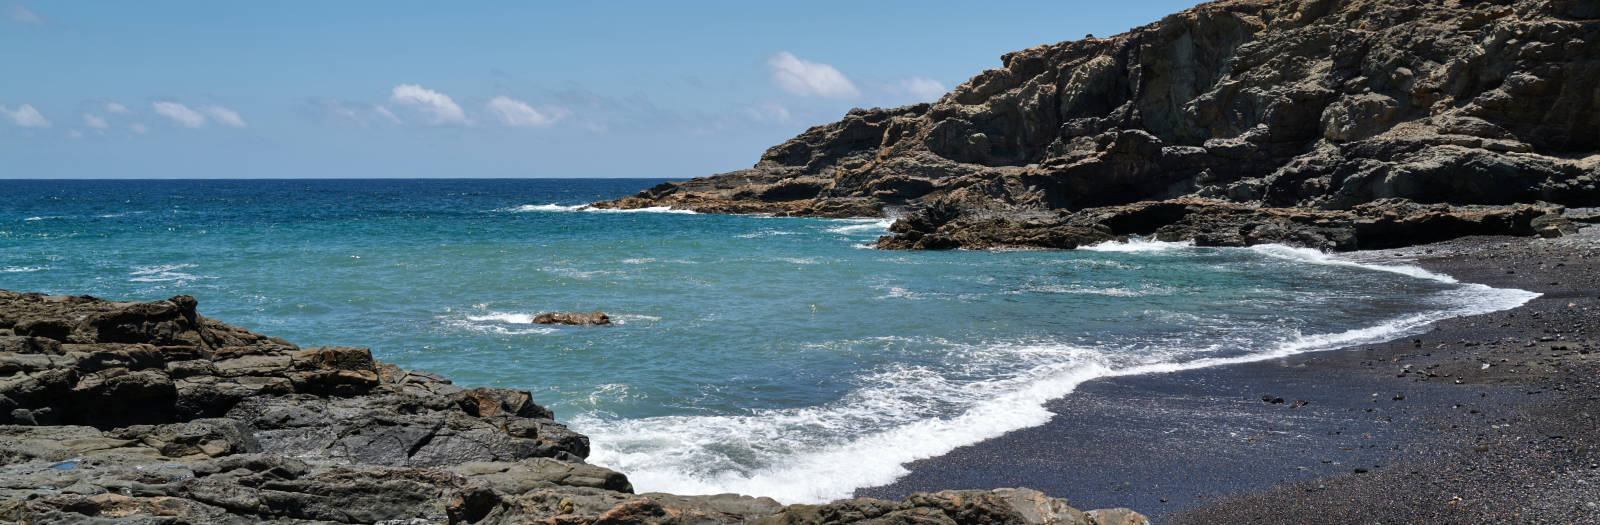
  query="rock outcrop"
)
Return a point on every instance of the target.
[
  {"x": 148, "y": 413},
  {"x": 1313, "y": 105},
  {"x": 573, "y": 319}
]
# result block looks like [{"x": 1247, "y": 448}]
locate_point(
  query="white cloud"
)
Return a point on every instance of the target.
[
  {"x": 21, "y": 13},
  {"x": 180, "y": 113},
  {"x": 139, "y": 128},
  {"x": 804, "y": 77},
  {"x": 438, "y": 106},
  {"x": 95, "y": 122},
  {"x": 74, "y": 134},
  {"x": 224, "y": 116},
  {"x": 26, "y": 117},
  {"x": 516, "y": 113},
  {"x": 119, "y": 109},
  {"x": 385, "y": 114},
  {"x": 922, "y": 89}
]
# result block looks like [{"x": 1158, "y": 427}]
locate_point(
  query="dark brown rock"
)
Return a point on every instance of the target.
[{"x": 574, "y": 319}]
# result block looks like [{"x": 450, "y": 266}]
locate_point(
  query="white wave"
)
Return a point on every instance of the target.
[
  {"x": 1137, "y": 245},
  {"x": 767, "y": 232},
  {"x": 22, "y": 269},
  {"x": 608, "y": 392},
  {"x": 652, "y": 209},
  {"x": 897, "y": 292},
  {"x": 1114, "y": 291},
  {"x": 1312, "y": 256},
  {"x": 503, "y": 317},
  {"x": 587, "y": 208},
  {"x": 502, "y": 323},
  {"x": 501, "y": 328},
  {"x": 541, "y": 207},
  {"x": 633, "y": 318},
  {"x": 820, "y": 472},
  {"x": 639, "y": 260},
  {"x": 823, "y": 453},
  {"x": 857, "y": 226},
  {"x": 123, "y": 214},
  {"x": 575, "y": 273},
  {"x": 164, "y": 273}
]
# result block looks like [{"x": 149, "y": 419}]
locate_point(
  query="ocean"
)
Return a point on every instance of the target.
[{"x": 770, "y": 356}]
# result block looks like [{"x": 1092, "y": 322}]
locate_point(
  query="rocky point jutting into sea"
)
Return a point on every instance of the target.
[
  {"x": 1336, "y": 124},
  {"x": 151, "y": 413}
]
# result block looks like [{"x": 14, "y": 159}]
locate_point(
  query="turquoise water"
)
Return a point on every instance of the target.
[{"x": 771, "y": 356}]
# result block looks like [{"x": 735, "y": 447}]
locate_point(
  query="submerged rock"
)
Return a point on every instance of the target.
[
  {"x": 114, "y": 412},
  {"x": 574, "y": 319},
  {"x": 1278, "y": 107}
]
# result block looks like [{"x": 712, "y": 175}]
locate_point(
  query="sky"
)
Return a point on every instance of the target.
[{"x": 358, "y": 89}]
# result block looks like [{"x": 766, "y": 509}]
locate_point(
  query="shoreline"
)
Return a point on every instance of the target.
[{"x": 1110, "y": 441}]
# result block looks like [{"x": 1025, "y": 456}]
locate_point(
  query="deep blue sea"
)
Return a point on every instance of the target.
[{"x": 760, "y": 355}]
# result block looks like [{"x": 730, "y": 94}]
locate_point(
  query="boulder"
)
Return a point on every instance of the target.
[{"x": 573, "y": 319}]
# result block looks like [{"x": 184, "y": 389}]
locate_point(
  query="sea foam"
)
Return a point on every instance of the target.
[
  {"x": 1137, "y": 246},
  {"x": 863, "y": 226}
]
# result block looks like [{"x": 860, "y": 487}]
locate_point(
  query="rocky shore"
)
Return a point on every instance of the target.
[
  {"x": 1483, "y": 419},
  {"x": 129, "y": 412},
  {"x": 1339, "y": 124}
]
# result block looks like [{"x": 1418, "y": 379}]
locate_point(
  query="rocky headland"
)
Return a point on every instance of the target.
[
  {"x": 130, "y": 412},
  {"x": 1337, "y": 124}
]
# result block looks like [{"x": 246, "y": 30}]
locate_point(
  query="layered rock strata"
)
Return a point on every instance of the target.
[
  {"x": 1315, "y": 105},
  {"x": 125, "y": 412}
]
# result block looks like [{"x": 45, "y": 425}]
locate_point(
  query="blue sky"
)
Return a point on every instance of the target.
[{"x": 483, "y": 89}]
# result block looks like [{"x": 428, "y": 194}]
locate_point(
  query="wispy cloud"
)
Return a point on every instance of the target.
[
  {"x": 21, "y": 13},
  {"x": 26, "y": 116},
  {"x": 804, "y": 77},
  {"x": 440, "y": 109},
  {"x": 516, "y": 113},
  {"x": 116, "y": 108},
  {"x": 345, "y": 112},
  {"x": 95, "y": 122},
  {"x": 224, "y": 116},
  {"x": 138, "y": 128},
  {"x": 180, "y": 114},
  {"x": 197, "y": 117}
]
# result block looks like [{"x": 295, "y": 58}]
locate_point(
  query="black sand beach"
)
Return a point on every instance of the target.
[{"x": 1415, "y": 430}]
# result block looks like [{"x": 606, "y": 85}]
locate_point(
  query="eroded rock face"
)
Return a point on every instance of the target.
[
  {"x": 146, "y": 413},
  {"x": 1307, "y": 104}
]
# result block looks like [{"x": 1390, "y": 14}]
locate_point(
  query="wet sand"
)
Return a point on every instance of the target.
[{"x": 1415, "y": 430}]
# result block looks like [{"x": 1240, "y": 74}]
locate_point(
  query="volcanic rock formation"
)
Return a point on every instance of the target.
[
  {"x": 1320, "y": 106},
  {"x": 574, "y": 319}
]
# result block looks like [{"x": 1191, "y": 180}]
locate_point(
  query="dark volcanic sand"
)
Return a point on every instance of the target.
[{"x": 1443, "y": 441}]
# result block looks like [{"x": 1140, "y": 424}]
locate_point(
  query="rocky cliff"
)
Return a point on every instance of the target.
[
  {"x": 150, "y": 413},
  {"x": 1350, "y": 111}
]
